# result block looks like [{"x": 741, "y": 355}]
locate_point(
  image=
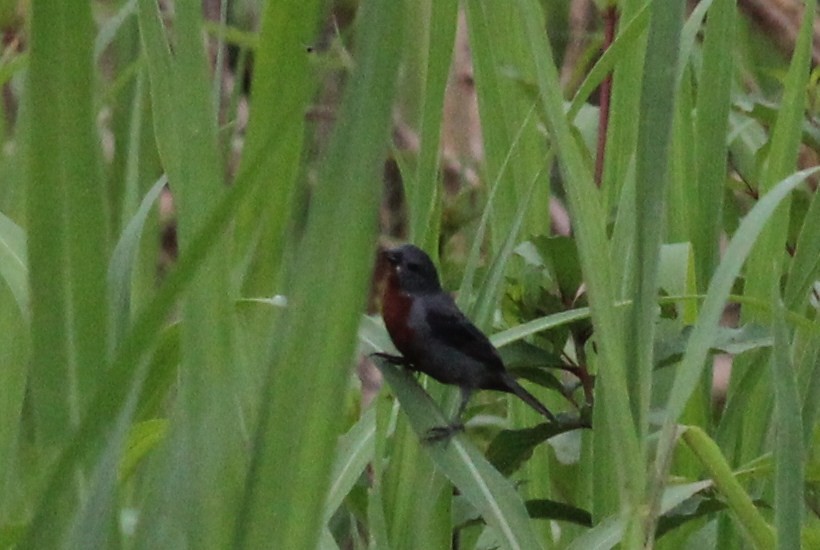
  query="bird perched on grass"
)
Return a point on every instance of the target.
[{"x": 436, "y": 338}]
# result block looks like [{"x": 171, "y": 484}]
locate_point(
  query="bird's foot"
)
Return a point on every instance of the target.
[
  {"x": 392, "y": 359},
  {"x": 443, "y": 433}
]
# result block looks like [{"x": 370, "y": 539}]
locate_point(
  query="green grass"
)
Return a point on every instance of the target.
[{"x": 209, "y": 400}]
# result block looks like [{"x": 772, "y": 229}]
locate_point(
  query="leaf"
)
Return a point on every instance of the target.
[
  {"x": 108, "y": 31},
  {"x": 353, "y": 452},
  {"x": 560, "y": 255},
  {"x": 745, "y": 338},
  {"x": 14, "y": 262},
  {"x": 529, "y": 328},
  {"x": 676, "y": 275},
  {"x": 327, "y": 287},
  {"x": 520, "y": 354},
  {"x": 464, "y": 514},
  {"x": 552, "y": 509},
  {"x": 670, "y": 349},
  {"x": 10, "y": 534},
  {"x": 609, "y": 531},
  {"x": 692, "y": 509},
  {"x": 688, "y": 375},
  {"x": 744, "y": 512},
  {"x": 492, "y": 495},
  {"x": 789, "y": 455},
  {"x": 511, "y": 448},
  {"x": 538, "y": 375},
  {"x": 144, "y": 437},
  {"x": 121, "y": 265},
  {"x": 628, "y": 36},
  {"x": 161, "y": 375}
]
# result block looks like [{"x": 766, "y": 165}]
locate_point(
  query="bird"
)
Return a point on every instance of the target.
[{"x": 436, "y": 338}]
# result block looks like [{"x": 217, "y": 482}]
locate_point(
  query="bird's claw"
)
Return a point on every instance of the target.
[{"x": 442, "y": 433}]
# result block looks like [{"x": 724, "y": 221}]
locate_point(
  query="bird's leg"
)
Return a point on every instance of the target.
[
  {"x": 465, "y": 397},
  {"x": 444, "y": 433}
]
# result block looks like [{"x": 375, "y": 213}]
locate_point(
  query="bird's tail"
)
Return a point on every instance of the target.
[{"x": 527, "y": 397}]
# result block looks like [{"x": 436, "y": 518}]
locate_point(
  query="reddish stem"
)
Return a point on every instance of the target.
[{"x": 610, "y": 23}]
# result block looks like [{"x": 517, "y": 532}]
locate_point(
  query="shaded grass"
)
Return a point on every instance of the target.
[{"x": 223, "y": 430}]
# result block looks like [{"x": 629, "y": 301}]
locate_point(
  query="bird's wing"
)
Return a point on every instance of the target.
[{"x": 449, "y": 325}]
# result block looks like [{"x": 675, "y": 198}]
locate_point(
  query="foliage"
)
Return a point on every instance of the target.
[{"x": 150, "y": 399}]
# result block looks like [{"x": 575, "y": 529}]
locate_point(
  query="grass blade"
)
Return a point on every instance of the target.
[
  {"x": 719, "y": 289},
  {"x": 200, "y": 461},
  {"x": 14, "y": 262},
  {"x": 711, "y": 125},
  {"x": 691, "y": 367},
  {"x": 493, "y": 496},
  {"x": 762, "y": 272},
  {"x": 588, "y": 221},
  {"x": 47, "y": 227},
  {"x": 805, "y": 265},
  {"x": 609, "y": 532},
  {"x": 273, "y": 145},
  {"x": 423, "y": 197},
  {"x": 789, "y": 458},
  {"x": 740, "y": 503},
  {"x": 651, "y": 181},
  {"x": 328, "y": 291},
  {"x": 122, "y": 264},
  {"x": 355, "y": 451}
]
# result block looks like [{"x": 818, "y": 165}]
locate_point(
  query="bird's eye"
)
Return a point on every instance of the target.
[
  {"x": 392, "y": 257},
  {"x": 413, "y": 266}
]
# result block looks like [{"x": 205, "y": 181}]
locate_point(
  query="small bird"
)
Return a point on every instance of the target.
[{"x": 436, "y": 338}]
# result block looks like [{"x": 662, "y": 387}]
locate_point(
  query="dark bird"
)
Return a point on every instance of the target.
[{"x": 436, "y": 338}]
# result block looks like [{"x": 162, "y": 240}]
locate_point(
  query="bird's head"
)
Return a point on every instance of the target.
[{"x": 412, "y": 270}]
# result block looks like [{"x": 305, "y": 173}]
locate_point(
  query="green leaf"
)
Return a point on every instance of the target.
[
  {"x": 628, "y": 35},
  {"x": 14, "y": 262},
  {"x": 691, "y": 367},
  {"x": 109, "y": 30},
  {"x": 529, "y": 328},
  {"x": 748, "y": 517},
  {"x": 676, "y": 275},
  {"x": 560, "y": 254},
  {"x": 511, "y": 448},
  {"x": 804, "y": 268},
  {"x": 328, "y": 283},
  {"x": 589, "y": 225},
  {"x": 609, "y": 531},
  {"x": 195, "y": 504},
  {"x": 354, "y": 452},
  {"x": 492, "y": 495},
  {"x": 539, "y": 376},
  {"x": 121, "y": 265},
  {"x": 522, "y": 355},
  {"x": 719, "y": 288},
  {"x": 559, "y": 511},
  {"x": 692, "y": 509},
  {"x": 726, "y": 340},
  {"x": 656, "y": 110},
  {"x": 142, "y": 439},
  {"x": 789, "y": 456},
  {"x": 438, "y": 22},
  {"x": 711, "y": 125},
  {"x": 162, "y": 374},
  {"x": 767, "y": 257}
]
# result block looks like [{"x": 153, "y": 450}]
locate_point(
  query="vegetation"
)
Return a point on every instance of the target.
[{"x": 184, "y": 271}]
